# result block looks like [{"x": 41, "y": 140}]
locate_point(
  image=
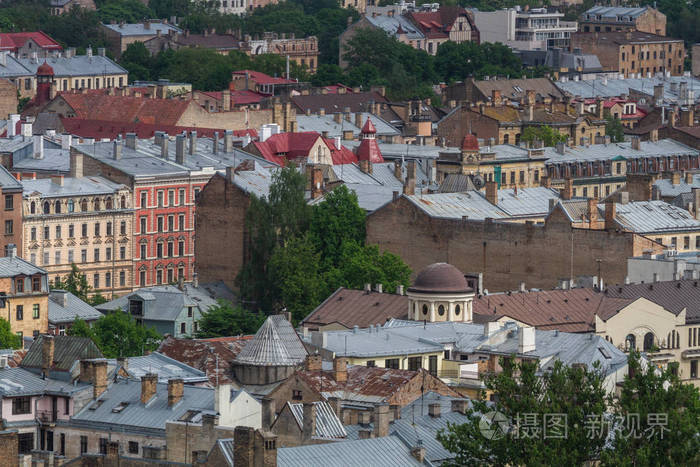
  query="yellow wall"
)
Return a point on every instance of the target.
[{"x": 27, "y": 300}]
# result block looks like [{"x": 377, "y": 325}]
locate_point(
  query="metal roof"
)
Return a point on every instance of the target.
[
  {"x": 13, "y": 68},
  {"x": 606, "y": 87},
  {"x": 391, "y": 24},
  {"x": 54, "y": 161},
  {"x": 667, "y": 188},
  {"x": 14, "y": 266},
  {"x": 74, "y": 308},
  {"x": 653, "y": 217},
  {"x": 321, "y": 123},
  {"x": 275, "y": 343},
  {"x": 77, "y": 65},
  {"x": 472, "y": 204},
  {"x": 605, "y": 152},
  {"x": 72, "y": 186},
  {"x": 140, "y": 29},
  {"x": 165, "y": 367},
  {"x": 135, "y": 415},
  {"x": 614, "y": 12},
  {"x": 373, "y": 342},
  {"x": 526, "y": 202},
  {"x": 67, "y": 351},
  {"x": 328, "y": 426},
  {"x": 20, "y": 382},
  {"x": 386, "y": 452},
  {"x": 8, "y": 181}
]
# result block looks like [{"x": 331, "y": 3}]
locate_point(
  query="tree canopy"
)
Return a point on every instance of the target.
[
  {"x": 8, "y": 339},
  {"x": 228, "y": 320},
  {"x": 117, "y": 334},
  {"x": 546, "y": 134},
  {"x": 76, "y": 283}
]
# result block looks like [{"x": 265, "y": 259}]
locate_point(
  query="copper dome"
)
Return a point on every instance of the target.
[{"x": 440, "y": 278}]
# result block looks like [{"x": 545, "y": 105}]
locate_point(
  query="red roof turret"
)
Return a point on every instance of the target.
[
  {"x": 470, "y": 143},
  {"x": 368, "y": 127},
  {"x": 44, "y": 70}
]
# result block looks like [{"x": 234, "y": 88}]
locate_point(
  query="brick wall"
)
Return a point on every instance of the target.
[
  {"x": 507, "y": 254},
  {"x": 456, "y": 126},
  {"x": 8, "y": 98},
  {"x": 9, "y": 449}
]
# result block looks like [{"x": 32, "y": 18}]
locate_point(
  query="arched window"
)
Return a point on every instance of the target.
[
  {"x": 84, "y": 205},
  {"x": 108, "y": 204},
  {"x": 630, "y": 342},
  {"x": 123, "y": 202},
  {"x": 648, "y": 341},
  {"x": 57, "y": 207},
  {"x": 425, "y": 309},
  {"x": 32, "y": 207},
  {"x": 441, "y": 310},
  {"x": 71, "y": 205},
  {"x": 47, "y": 207},
  {"x": 458, "y": 309},
  {"x": 96, "y": 204}
]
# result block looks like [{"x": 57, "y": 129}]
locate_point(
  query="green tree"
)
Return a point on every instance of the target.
[
  {"x": 225, "y": 319},
  {"x": 614, "y": 129},
  {"x": 118, "y": 335},
  {"x": 294, "y": 271},
  {"x": 520, "y": 391},
  {"x": 75, "y": 282},
  {"x": 657, "y": 397},
  {"x": 8, "y": 339},
  {"x": 138, "y": 61},
  {"x": 81, "y": 328},
  {"x": 545, "y": 133}
]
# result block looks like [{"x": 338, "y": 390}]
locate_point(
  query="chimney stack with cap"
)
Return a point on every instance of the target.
[
  {"x": 228, "y": 141},
  {"x": 193, "y": 142},
  {"x": 176, "y": 388},
  {"x": 381, "y": 420},
  {"x": 340, "y": 369},
  {"x": 309, "y": 423},
  {"x": 131, "y": 141},
  {"x": 149, "y": 385},
  {"x": 48, "y": 346},
  {"x": 180, "y": 149}
]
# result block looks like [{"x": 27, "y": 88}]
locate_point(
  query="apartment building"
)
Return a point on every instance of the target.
[
  {"x": 621, "y": 19},
  {"x": 633, "y": 53},
  {"x": 11, "y": 211},
  {"x": 24, "y": 296},
  {"x": 86, "y": 221},
  {"x": 121, "y": 35}
]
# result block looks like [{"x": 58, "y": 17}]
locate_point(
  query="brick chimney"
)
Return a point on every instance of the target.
[
  {"x": 316, "y": 182},
  {"x": 419, "y": 452},
  {"x": 496, "y": 99},
  {"x": 568, "y": 191},
  {"x": 313, "y": 362},
  {"x": 176, "y": 388},
  {"x": 244, "y": 446},
  {"x": 409, "y": 187},
  {"x": 226, "y": 100},
  {"x": 366, "y": 166},
  {"x": 99, "y": 372},
  {"x": 149, "y": 384},
  {"x": 610, "y": 215},
  {"x": 309, "y": 424},
  {"x": 492, "y": 193},
  {"x": 459, "y": 405},
  {"x": 48, "y": 345},
  {"x": 592, "y": 210},
  {"x": 381, "y": 421},
  {"x": 688, "y": 117},
  {"x": 340, "y": 369},
  {"x": 398, "y": 173}
]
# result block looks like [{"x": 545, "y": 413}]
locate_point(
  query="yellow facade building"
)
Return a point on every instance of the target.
[{"x": 24, "y": 296}]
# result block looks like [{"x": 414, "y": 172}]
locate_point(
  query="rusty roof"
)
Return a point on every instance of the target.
[
  {"x": 515, "y": 89},
  {"x": 350, "y": 307},
  {"x": 202, "y": 354}
]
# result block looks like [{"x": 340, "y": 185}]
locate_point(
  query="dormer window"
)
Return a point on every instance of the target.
[{"x": 136, "y": 307}]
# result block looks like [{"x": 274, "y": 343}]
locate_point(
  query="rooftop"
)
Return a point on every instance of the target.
[
  {"x": 68, "y": 351},
  {"x": 20, "y": 382},
  {"x": 321, "y": 123},
  {"x": 652, "y": 217},
  {"x": 91, "y": 185},
  {"x": 396, "y": 25},
  {"x": 77, "y": 65},
  {"x": 165, "y": 367},
  {"x": 11, "y": 266},
  {"x": 149, "y": 28},
  {"x": 14, "y": 40},
  {"x": 332, "y": 103},
  {"x": 605, "y": 87},
  {"x": 614, "y": 13},
  {"x": 327, "y": 426},
  {"x": 275, "y": 343},
  {"x": 64, "y": 307},
  {"x": 674, "y": 296},
  {"x": 605, "y": 152}
]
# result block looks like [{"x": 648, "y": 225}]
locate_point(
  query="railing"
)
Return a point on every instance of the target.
[
  {"x": 463, "y": 374},
  {"x": 46, "y": 416}
]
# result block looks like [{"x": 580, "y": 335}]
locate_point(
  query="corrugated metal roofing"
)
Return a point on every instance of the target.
[
  {"x": 275, "y": 343},
  {"x": 375, "y": 342},
  {"x": 20, "y": 382},
  {"x": 614, "y": 12},
  {"x": 668, "y": 189},
  {"x": 526, "y": 202},
  {"x": 54, "y": 161},
  {"x": 74, "y": 308},
  {"x": 653, "y": 217},
  {"x": 78, "y": 65},
  {"x": 674, "y": 296},
  {"x": 391, "y": 24},
  {"x": 72, "y": 186},
  {"x": 165, "y": 367},
  {"x": 603, "y": 87},
  {"x": 603, "y": 152},
  {"x": 473, "y": 205},
  {"x": 321, "y": 123},
  {"x": 67, "y": 350},
  {"x": 7, "y": 181},
  {"x": 140, "y": 29},
  {"x": 386, "y": 452},
  {"x": 13, "y": 266},
  {"x": 328, "y": 426}
]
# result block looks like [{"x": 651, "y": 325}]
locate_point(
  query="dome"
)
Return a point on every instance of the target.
[
  {"x": 44, "y": 70},
  {"x": 470, "y": 143},
  {"x": 440, "y": 278}
]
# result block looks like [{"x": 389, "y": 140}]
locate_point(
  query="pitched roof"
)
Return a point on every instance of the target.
[
  {"x": 350, "y": 307},
  {"x": 15, "y": 40},
  {"x": 292, "y": 145},
  {"x": 208, "y": 355},
  {"x": 437, "y": 24},
  {"x": 515, "y": 89},
  {"x": 14, "y": 266},
  {"x": 77, "y": 65},
  {"x": 653, "y": 217},
  {"x": 67, "y": 350},
  {"x": 327, "y": 426},
  {"x": 99, "y": 129},
  {"x": 368, "y": 150},
  {"x": 73, "y": 308},
  {"x": 275, "y": 343},
  {"x": 456, "y": 183},
  {"x": 332, "y": 103},
  {"x": 395, "y": 25},
  {"x": 149, "y": 28},
  {"x": 165, "y": 367},
  {"x": 20, "y": 382},
  {"x": 72, "y": 186},
  {"x": 612, "y": 13},
  {"x": 262, "y": 78},
  {"x": 99, "y": 106},
  {"x": 675, "y": 296}
]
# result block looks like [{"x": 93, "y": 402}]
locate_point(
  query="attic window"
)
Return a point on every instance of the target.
[
  {"x": 97, "y": 404},
  {"x": 605, "y": 353},
  {"x": 120, "y": 407},
  {"x": 189, "y": 415}
]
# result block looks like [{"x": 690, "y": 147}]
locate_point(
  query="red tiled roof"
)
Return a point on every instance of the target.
[
  {"x": 350, "y": 307},
  {"x": 438, "y": 24},
  {"x": 98, "y": 129},
  {"x": 243, "y": 97},
  {"x": 44, "y": 70},
  {"x": 202, "y": 354},
  {"x": 15, "y": 40},
  {"x": 262, "y": 78},
  {"x": 100, "y": 106},
  {"x": 340, "y": 156},
  {"x": 282, "y": 147},
  {"x": 368, "y": 150}
]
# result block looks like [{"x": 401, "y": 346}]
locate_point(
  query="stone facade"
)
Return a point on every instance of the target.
[
  {"x": 507, "y": 254},
  {"x": 8, "y": 98}
]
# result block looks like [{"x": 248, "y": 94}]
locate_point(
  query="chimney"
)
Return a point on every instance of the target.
[
  {"x": 57, "y": 179},
  {"x": 116, "y": 150},
  {"x": 696, "y": 202},
  {"x": 309, "y": 423},
  {"x": 12, "y": 127},
  {"x": 600, "y": 108},
  {"x": 379, "y": 287},
  {"x": 268, "y": 413},
  {"x": 526, "y": 339},
  {"x": 76, "y": 164},
  {"x": 434, "y": 409},
  {"x": 334, "y": 402},
  {"x": 688, "y": 116},
  {"x": 409, "y": 187},
  {"x": 123, "y": 362},
  {"x": 164, "y": 142},
  {"x": 149, "y": 384},
  {"x": 66, "y": 140},
  {"x": 193, "y": 142},
  {"x": 399, "y": 290},
  {"x": 492, "y": 193},
  {"x": 215, "y": 143},
  {"x": 397, "y": 170},
  {"x": 322, "y": 111},
  {"x": 419, "y": 452},
  {"x": 635, "y": 143},
  {"x": 340, "y": 369},
  {"x": 689, "y": 178},
  {"x": 226, "y": 98},
  {"x": 337, "y": 117},
  {"x": 180, "y": 149},
  {"x": 316, "y": 182},
  {"x": 244, "y": 446},
  {"x": 610, "y": 215},
  {"x": 48, "y": 345},
  {"x": 592, "y": 210},
  {"x": 381, "y": 420},
  {"x": 313, "y": 362},
  {"x": 568, "y": 191},
  {"x": 675, "y": 177},
  {"x": 228, "y": 141},
  {"x": 38, "y": 146},
  {"x": 176, "y": 387},
  {"x": 131, "y": 141},
  {"x": 195, "y": 280},
  {"x": 496, "y": 99},
  {"x": 658, "y": 94},
  {"x": 459, "y": 406},
  {"x": 99, "y": 375}
]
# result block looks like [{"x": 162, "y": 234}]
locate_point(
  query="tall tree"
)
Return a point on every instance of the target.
[
  {"x": 546, "y": 134},
  {"x": 118, "y": 335},
  {"x": 75, "y": 282},
  {"x": 228, "y": 320}
]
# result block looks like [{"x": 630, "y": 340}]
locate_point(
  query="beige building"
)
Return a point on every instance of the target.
[
  {"x": 25, "y": 296},
  {"x": 85, "y": 221},
  {"x": 121, "y": 35}
]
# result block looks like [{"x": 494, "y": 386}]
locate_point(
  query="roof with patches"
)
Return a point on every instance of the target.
[
  {"x": 67, "y": 350},
  {"x": 14, "y": 40},
  {"x": 332, "y": 103},
  {"x": 128, "y": 109},
  {"x": 327, "y": 425},
  {"x": 99, "y": 128},
  {"x": 674, "y": 296},
  {"x": 438, "y": 24},
  {"x": 275, "y": 343}
]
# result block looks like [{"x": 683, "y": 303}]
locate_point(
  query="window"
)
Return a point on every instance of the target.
[
  {"x": 61, "y": 330},
  {"x": 181, "y": 222},
  {"x": 109, "y": 229},
  {"x": 71, "y": 205},
  {"x": 47, "y": 233},
  {"x": 57, "y": 207},
  {"x": 47, "y": 207},
  {"x": 441, "y": 310},
  {"x": 25, "y": 442},
  {"x": 183, "y": 328},
  {"x": 686, "y": 242},
  {"x": 170, "y": 276},
  {"x": 160, "y": 223},
  {"x": 83, "y": 256},
  {"x": 196, "y": 192},
  {"x": 674, "y": 242},
  {"x": 58, "y": 231},
  {"x": 122, "y": 252},
  {"x": 522, "y": 176},
  {"x": 171, "y": 197},
  {"x": 143, "y": 251},
  {"x": 297, "y": 395},
  {"x": 70, "y": 256},
  {"x": 133, "y": 447},
  {"x": 46, "y": 258},
  {"x": 96, "y": 281},
  {"x": 189, "y": 312},
  {"x": 32, "y": 258},
  {"x": 108, "y": 279},
  {"x": 71, "y": 231},
  {"x": 108, "y": 204},
  {"x": 35, "y": 311},
  {"x": 170, "y": 249},
  {"x": 160, "y": 199},
  {"x": 9, "y": 202},
  {"x": 512, "y": 178},
  {"x": 371, "y": 364},
  {"x": 96, "y": 254},
  {"x": 84, "y": 205},
  {"x": 181, "y": 248},
  {"x": 122, "y": 202},
  {"x": 108, "y": 254},
  {"x": 391, "y": 363},
  {"x": 21, "y": 405},
  {"x": 32, "y": 235},
  {"x": 122, "y": 228},
  {"x": 84, "y": 230},
  {"x": 97, "y": 229},
  {"x": 144, "y": 199},
  {"x": 181, "y": 196},
  {"x": 122, "y": 278},
  {"x": 181, "y": 272},
  {"x": 171, "y": 223},
  {"x": 143, "y": 226},
  {"x": 414, "y": 363},
  {"x": 57, "y": 257},
  {"x": 693, "y": 369},
  {"x": 432, "y": 365},
  {"x": 142, "y": 278},
  {"x": 19, "y": 285},
  {"x": 9, "y": 227},
  {"x": 159, "y": 250},
  {"x": 103, "y": 445},
  {"x": 159, "y": 277},
  {"x": 537, "y": 175},
  {"x": 96, "y": 205}
]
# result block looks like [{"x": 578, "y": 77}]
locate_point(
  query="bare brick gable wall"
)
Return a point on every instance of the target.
[{"x": 507, "y": 254}]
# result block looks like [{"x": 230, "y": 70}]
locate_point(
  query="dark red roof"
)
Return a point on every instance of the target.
[
  {"x": 243, "y": 97},
  {"x": 15, "y": 40},
  {"x": 262, "y": 78},
  {"x": 440, "y": 278},
  {"x": 44, "y": 70},
  {"x": 284, "y": 147},
  {"x": 368, "y": 127},
  {"x": 437, "y": 24},
  {"x": 99, "y": 129},
  {"x": 342, "y": 155},
  {"x": 331, "y": 103},
  {"x": 368, "y": 150},
  {"x": 470, "y": 143}
]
